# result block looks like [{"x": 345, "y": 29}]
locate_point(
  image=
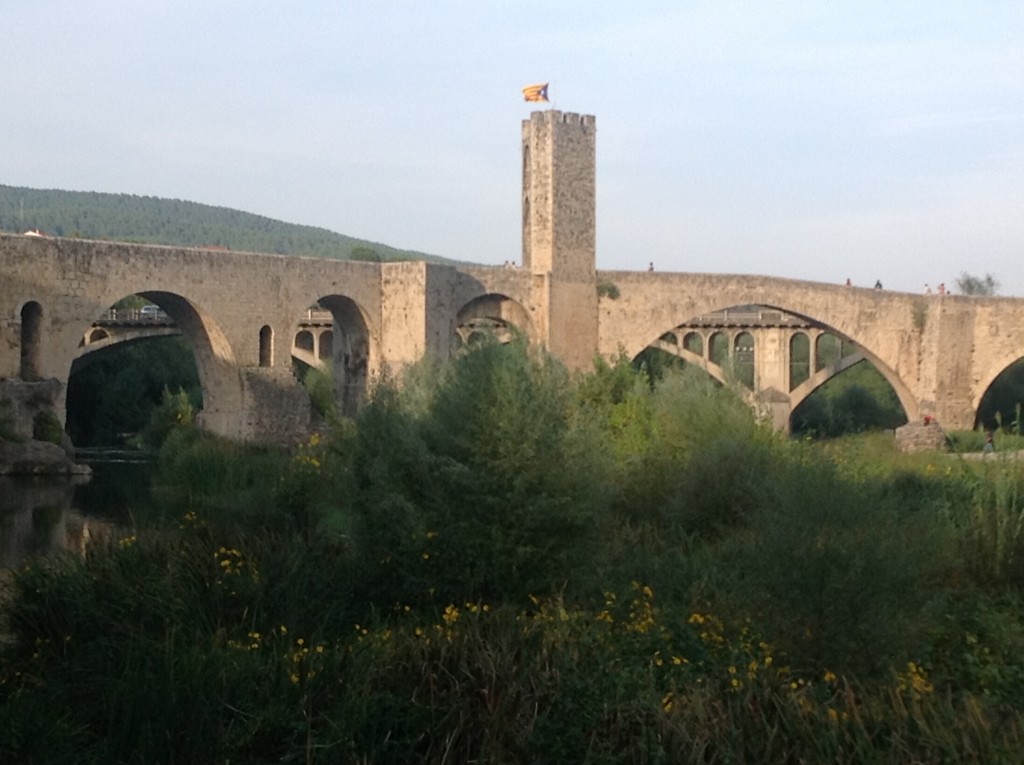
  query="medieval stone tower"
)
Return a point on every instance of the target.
[{"x": 559, "y": 213}]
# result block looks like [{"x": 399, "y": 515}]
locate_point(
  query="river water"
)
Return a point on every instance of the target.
[{"x": 44, "y": 516}]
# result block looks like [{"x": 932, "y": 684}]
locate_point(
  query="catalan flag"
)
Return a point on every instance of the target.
[{"x": 535, "y": 92}]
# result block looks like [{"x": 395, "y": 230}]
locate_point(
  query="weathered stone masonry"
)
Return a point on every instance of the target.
[{"x": 241, "y": 311}]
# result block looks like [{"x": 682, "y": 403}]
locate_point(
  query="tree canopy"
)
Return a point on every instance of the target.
[
  {"x": 985, "y": 286},
  {"x": 152, "y": 220}
]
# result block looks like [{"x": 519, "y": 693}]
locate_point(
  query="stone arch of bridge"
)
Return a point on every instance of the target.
[
  {"x": 911, "y": 407},
  {"x": 719, "y": 348},
  {"x": 495, "y": 313},
  {"x": 822, "y": 376},
  {"x": 697, "y": 360},
  {"x": 352, "y": 350},
  {"x": 985, "y": 382},
  {"x": 100, "y": 339},
  {"x": 314, "y": 346},
  {"x": 906, "y": 398},
  {"x": 217, "y": 368}
]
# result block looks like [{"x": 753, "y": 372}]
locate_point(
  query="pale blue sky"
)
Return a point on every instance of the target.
[{"x": 815, "y": 140}]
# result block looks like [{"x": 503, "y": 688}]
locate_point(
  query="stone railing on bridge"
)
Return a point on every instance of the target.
[
  {"x": 748, "y": 316},
  {"x": 133, "y": 316}
]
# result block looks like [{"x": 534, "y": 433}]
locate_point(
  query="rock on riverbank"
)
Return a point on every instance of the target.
[{"x": 32, "y": 441}]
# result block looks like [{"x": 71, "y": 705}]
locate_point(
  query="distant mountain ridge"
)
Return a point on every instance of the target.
[{"x": 154, "y": 220}]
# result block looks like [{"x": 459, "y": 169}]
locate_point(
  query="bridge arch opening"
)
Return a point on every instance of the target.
[
  {"x": 718, "y": 349},
  {"x": 304, "y": 341},
  {"x": 325, "y": 344},
  {"x": 313, "y": 343},
  {"x": 154, "y": 341},
  {"x": 332, "y": 354},
  {"x": 31, "y": 341},
  {"x": 493, "y": 315},
  {"x": 693, "y": 342},
  {"x": 799, "y": 359},
  {"x": 1001, "y": 403},
  {"x": 828, "y": 349},
  {"x": 781, "y": 358},
  {"x": 853, "y": 396},
  {"x": 743, "y": 359},
  {"x": 95, "y": 336}
]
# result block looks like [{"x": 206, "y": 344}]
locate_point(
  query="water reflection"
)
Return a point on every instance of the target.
[{"x": 40, "y": 517}]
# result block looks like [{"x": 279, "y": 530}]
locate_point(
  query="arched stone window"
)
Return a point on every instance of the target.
[
  {"x": 799, "y": 359},
  {"x": 98, "y": 334},
  {"x": 828, "y": 351},
  {"x": 743, "y": 358},
  {"x": 304, "y": 341},
  {"x": 266, "y": 346},
  {"x": 31, "y": 340},
  {"x": 718, "y": 349},
  {"x": 326, "y": 345},
  {"x": 694, "y": 343}
]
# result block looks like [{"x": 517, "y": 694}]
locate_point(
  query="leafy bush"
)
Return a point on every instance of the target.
[
  {"x": 46, "y": 427},
  {"x": 319, "y": 383},
  {"x": 498, "y": 562},
  {"x": 175, "y": 410},
  {"x": 608, "y": 289},
  {"x": 489, "y": 491}
]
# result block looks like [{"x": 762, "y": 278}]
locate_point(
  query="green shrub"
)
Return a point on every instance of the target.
[
  {"x": 498, "y": 562},
  {"x": 838, "y": 574},
  {"x": 175, "y": 410},
  {"x": 46, "y": 427},
  {"x": 488, "y": 491},
  {"x": 319, "y": 383}
]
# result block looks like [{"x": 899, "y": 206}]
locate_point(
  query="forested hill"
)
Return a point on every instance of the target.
[{"x": 151, "y": 220}]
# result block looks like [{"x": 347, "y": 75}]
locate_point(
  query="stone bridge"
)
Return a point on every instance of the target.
[
  {"x": 243, "y": 313},
  {"x": 940, "y": 353}
]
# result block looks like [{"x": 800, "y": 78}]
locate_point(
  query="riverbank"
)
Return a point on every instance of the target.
[{"x": 32, "y": 439}]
